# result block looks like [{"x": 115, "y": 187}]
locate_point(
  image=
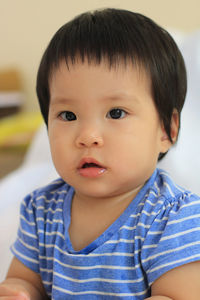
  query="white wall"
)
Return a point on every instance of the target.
[{"x": 26, "y": 26}]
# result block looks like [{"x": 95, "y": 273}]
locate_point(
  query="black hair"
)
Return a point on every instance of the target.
[{"x": 117, "y": 36}]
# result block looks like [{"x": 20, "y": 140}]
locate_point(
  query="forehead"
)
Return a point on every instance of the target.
[
  {"x": 101, "y": 74},
  {"x": 90, "y": 85}
]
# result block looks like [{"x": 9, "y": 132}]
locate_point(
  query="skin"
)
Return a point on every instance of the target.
[{"x": 127, "y": 148}]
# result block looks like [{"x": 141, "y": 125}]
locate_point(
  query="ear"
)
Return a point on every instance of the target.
[
  {"x": 166, "y": 143},
  {"x": 174, "y": 125}
]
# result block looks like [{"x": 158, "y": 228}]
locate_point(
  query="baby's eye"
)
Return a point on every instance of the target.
[
  {"x": 67, "y": 116},
  {"x": 116, "y": 113}
]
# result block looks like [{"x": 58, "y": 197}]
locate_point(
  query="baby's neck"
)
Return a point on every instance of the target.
[
  {"x": 111, "y": 202},
  {"x": 91, "y": 217}
]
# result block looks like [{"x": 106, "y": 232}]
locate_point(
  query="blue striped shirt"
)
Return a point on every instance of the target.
[{"x": 159, "y": 230}]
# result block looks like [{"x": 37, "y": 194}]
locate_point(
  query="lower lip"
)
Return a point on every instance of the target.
[{"x": 91, "y": 172}]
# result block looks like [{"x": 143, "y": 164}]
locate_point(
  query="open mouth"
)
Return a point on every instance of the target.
[{"x": 90, "y": 165}]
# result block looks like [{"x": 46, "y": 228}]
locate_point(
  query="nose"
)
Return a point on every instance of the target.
[{"x": 89, "y": 139}]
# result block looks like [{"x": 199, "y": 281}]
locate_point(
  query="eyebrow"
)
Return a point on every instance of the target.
[
  {"x": 112, "y": 97},
  {"x": 122, "y": 96},
  {"x": 60, "y": 100}
]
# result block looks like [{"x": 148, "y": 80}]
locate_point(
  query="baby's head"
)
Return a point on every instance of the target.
[{"x": 119, "y": 37}]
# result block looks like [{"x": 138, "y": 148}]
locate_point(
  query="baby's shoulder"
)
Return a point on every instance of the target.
[
  {"x": 168, "y": 198},
  {"x": 172, "y": 227},
  {"x": 47, "y": 196}
]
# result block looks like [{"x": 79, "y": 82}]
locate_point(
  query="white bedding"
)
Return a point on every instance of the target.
[{"x": 183, "y": 161}]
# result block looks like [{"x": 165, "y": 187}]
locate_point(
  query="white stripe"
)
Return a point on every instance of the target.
[
  {"x": 53, "y": 200},
  {"x": 128, "y": 227},
  {"x": 172, "y": 236},
  {"x": 62, "y": 192},
  {"x": 125, "y": 240},
  {"x": 29, "y": 223},
  {"x": 28, "y": 233},
  {"x": 163, "y": 172},
  {"x": 154, "y": 204},
  {"x": 143, "y": 225},
  {"x": 184, "y": 219},
  {"x": 24, "y": 256},
  {"x": 90, "y": 254},
  {"x": 49, "y": 221},
  {"x": 97, "y": 279},
  {"x": 99, "y": 293},
  {"x": 169, "y": 189},
  {"x": 197, "y": 202},
  {"x": 134, "y": 227},
  {"x": 57, "y": 233},
  {"x": 135, "y": 216},
  {"x": 155, "y": 232},
  {"x": 94, "y": 267},
  {"x": 103, "y": 254},
  {"x": 154, "y": 194},
  {"x": 50, "y": 246},
  {"x": 41, "y": 197},
  {"x": 184, "y": 206},
  {"x": 161, "y": 220},
  {"x": 152, "y": 213},
  {"x": 145, "y": 212},
  {"x": 120, "y": 241},
  {"x": 47, "y": 245},
  {"x": 27, "y": 245},
  {"x": 59, "y": 192},
  {"x": 29, "y": 211},
  {"x": 171, "y": 251},
  {"x": 156, "y": 185},
  {"x": 150, "y": 246},
  {"x": 49, "y": 209},
  {"x": 47, "y": 282},
  {"x": 142, "y": 212}
]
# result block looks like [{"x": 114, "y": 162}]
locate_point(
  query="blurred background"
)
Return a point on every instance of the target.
[{"x": 25, "y": 29}]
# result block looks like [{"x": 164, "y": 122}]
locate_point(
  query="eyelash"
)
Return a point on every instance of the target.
[
  {"x": 115, "y": 113},
  {"x": 119, "y": 112},
  {"x": 70, "y": 116}
]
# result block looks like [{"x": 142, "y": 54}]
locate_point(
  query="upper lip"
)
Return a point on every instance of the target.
[{"x": 89, "y": 160}]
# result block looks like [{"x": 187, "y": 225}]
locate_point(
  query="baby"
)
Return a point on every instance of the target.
[{"x": 111, "y": 86}]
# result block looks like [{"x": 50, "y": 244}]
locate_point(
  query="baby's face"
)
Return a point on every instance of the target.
[{"x": 104, "y": 130}]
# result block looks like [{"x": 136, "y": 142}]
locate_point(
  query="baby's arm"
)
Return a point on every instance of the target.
[
  {"x": 22, "y": 283},
  {"x": 181, "y": 283}
]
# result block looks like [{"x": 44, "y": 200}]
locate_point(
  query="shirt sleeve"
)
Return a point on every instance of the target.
[
  {"x": 173, "y": 238},
  {"x": 25, "y": 247}
]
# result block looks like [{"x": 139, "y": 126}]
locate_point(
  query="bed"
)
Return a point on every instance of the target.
[{"x": 182, "y": 162}]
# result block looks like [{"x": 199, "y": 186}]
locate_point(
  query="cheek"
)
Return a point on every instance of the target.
[
  {"x": 137, "y": 146},
  {"x": 58, "y": 147},
  {"x": 62, "y": 159},
  {"x": 56, "y": 155}
]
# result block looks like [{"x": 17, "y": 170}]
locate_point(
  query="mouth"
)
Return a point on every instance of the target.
[{"x": 89, "y": 167}]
